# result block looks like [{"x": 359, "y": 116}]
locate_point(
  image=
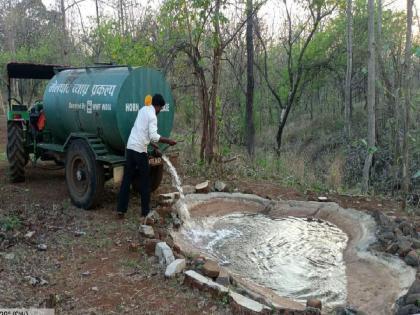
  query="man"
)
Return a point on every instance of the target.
[{"x": 142, "y": 134}]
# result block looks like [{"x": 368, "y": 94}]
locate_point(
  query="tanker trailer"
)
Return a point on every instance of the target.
[{"x": 89, "y": 113}]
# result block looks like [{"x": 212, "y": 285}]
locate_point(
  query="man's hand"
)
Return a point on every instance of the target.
[
  {"x": 171, "y": 142},
  {"x": 167, "y": 141},
  {"x": 157, "y": 153}
]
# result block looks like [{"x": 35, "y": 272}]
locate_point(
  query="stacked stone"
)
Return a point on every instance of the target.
[
  {"x": 398, "y": 236},
  {"x": 410, "y": 303}
]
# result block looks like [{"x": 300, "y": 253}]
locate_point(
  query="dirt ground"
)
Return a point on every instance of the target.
[
  {"x": 87, "y": 265},
  {"x": 92, "y": 273}
]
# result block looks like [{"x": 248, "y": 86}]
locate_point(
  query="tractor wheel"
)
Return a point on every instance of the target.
[
  {"x": 84, "y": 175},
  {"x": 156, "y": 173},
  {"x": 16, "y": 151}
]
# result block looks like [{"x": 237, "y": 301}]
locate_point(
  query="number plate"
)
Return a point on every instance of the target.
[{"x": 155, "y": 161}]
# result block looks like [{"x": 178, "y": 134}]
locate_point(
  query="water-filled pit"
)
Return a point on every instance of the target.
[
  {"x": 294, "y": 257},
  {"x": 275, "y": 246}
]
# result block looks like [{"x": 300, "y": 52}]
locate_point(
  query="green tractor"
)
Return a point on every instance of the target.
[
  {"x": 22, "y": 129},
  {"x": 83, "y": 123}
]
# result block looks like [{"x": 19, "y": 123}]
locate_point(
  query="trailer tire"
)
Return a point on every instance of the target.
[
  {"x": 84, "y": 175},
  {"x": 16, "y": 153},
  {"x": 156, "y": 174}
]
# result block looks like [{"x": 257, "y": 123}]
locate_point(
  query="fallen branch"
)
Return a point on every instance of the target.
[{"x": 230, "y": 159}]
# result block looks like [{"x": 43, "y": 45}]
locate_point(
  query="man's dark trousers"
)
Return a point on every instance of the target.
[{"x": 135, "y": 162}]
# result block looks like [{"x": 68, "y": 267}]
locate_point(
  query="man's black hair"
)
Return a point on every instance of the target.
[{"x": 158, "y": 100}]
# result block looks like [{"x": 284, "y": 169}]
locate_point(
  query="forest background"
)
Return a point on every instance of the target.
[{"x": 319, "y": 95}]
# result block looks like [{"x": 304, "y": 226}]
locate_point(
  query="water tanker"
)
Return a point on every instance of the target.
[{"x": 88, "y": 114}]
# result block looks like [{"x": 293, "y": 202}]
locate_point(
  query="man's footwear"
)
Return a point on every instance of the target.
[
  {"x": 145, "y": 220},
  {"x": 120, "y": 215},
  {"x": 148, "y": 218}
]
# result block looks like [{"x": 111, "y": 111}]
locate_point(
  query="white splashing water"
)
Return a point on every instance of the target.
[
  {"x": 294, "y": 257},
  {"x": 176, "y": 183}
]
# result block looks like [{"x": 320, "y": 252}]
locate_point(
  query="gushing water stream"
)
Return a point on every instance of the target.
[{"x": 176, "y": 183}]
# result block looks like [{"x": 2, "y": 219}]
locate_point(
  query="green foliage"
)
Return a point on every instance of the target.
[
  {"x": 312, "y": 142},
  {"x": 369, "y": 150},
  {"x": 10, "y": 223},
  {"x": 225, "y": 299},
  {"x": 417, "y": 52},
  {"x": 193, "y": 22},
  {"x": 372, "y": 150},
  {"x": 124, "y": 49}
]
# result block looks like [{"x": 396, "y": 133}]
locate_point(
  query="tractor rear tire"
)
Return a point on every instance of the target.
[
  {"x": 156, "y": 174},
  {"x": 84, "y": 175},
  {"x": 16, "y": 153}
]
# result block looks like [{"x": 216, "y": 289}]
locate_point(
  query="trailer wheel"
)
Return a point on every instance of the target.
[
  {"x": 16, "y": 151},
  {"x": 84, "y": 175},
  {"x": 156, "y": 174}
]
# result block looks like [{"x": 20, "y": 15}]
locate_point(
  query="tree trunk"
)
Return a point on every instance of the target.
[
  {"x": 347, "y": 96},
  {"x": 65, "y": 38},
  {"x": 212, "y": 125},
  {"x": 312, "y": 107},
  {"x": 380, "y": 108},
  {"x": 205, "y": 121},
  {"x": 121, "y": 16},
  {"x": 250, "y": 128},
  {"x": 217, "y": 55},
  {"x": 370, "y": 97},
  {"x": 407, "y": 102},
  {"x": 97, "y": 13},
  {"x": 283, "y": 118},
  {"x": 204, "y": 99},
  {"x": 99, "y": 42}
]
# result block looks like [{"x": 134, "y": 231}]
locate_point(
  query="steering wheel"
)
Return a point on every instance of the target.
[{"x": 16, "y": 100}]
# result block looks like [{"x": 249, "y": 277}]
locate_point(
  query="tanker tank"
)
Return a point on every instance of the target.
[{"x": 103, "y": 101}]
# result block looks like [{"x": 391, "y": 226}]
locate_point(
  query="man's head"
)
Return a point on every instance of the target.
[{"x": 158, "y": 102}]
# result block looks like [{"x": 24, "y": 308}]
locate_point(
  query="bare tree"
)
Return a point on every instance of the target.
[
  {"x": 407, "y": 100},
  {"x": 10, "y": 30},
  {"x": 295, "y": 44},
  {"x": 2, "y": 104},
  {"x": 250, "y": 128},
  {"x": 97, "y": 14},
  {"x": 380, "y": 106},
  {"x": 64, "y": 44},
  {"x": 121, "y": 16},
  {"x": 349, "y": 69},
  {"x": 197, "y": 29},
  {"x": 98, "y": 47},
  {"x": 371, "y": 139}
]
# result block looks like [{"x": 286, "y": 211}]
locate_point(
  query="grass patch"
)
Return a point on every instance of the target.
[
  {"x": 10, "y": 223},
  {"x": 103, "y": 242},
  {"x": 141, "y": 265},
  {"x": 293, "y": 168},
  {"x": 65, "y": 240},
  {"x": 66, "y": 204},
  {"x": 130, "y": 263}
]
